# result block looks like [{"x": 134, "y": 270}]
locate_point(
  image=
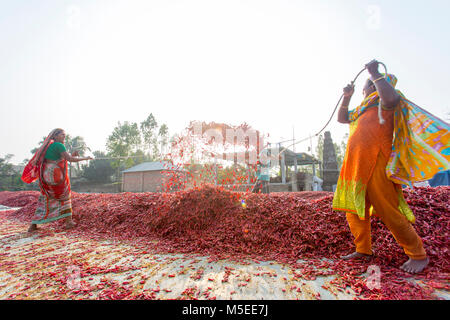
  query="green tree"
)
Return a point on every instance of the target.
[
  {"x": 155, "y": 137},
  {"x": 6, "y": 173},
  {"x": 140, "y": 156},
  {"x": 6, "y": 167},
  {"x": 73, "y": 144},
  {"x": 340, "y": 150},
  {"x": 163, "y": 134},
  {"x": 76, "y": 143},
  {"x": 98, "y": 170},
  {"x": 124, "y": 140},
  {"x": 149, "y": 132}
]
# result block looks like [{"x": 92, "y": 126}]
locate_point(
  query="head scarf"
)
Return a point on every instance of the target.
[{"x": 372, "y": 100}]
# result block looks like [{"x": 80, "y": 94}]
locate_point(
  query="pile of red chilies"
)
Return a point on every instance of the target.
[{"x": 295, "y": 228}]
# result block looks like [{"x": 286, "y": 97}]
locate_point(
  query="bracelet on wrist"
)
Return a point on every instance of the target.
[{"x": 378, "y": 79}]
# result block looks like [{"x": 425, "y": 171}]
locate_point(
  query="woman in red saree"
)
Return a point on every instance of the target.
[{"x": 49, "y": 165}]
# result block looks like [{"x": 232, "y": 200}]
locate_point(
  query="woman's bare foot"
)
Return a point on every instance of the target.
[
  {"x": 415, "y": 266},
  {"x": 32, "y": 228},
  {"x": 356, "y": 255}
]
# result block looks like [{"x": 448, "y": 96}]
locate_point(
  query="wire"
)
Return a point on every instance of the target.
[
  {"x": 332, "y": 115},
  {"x": 124, "y": 157},
  {"x": 296, "y": 142}
]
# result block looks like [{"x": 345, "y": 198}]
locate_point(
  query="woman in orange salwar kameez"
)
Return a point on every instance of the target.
[
  {"x": 376, "y": 162},
  {"x": 49, "y": 165}
]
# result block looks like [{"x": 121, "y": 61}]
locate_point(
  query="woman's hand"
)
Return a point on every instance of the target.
[
  {"x": 343, "y": 110},
  {"x": 349, "y": 90},
  {"x": 372, "y": 68},
  {"x": 71, "y": 158},
  {"x": 389, "y": 97}
]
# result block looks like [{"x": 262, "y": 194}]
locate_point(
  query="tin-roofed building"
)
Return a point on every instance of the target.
[{"x": 151, "y": 177}]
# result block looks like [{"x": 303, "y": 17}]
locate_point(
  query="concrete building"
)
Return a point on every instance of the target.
[{"x": 151, "y": 177}]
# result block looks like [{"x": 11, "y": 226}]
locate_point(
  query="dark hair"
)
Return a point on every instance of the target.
[{"x": 55, "y": 132}]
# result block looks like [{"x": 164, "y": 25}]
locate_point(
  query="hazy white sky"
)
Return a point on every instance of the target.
[{"x": 85, "y": 65}]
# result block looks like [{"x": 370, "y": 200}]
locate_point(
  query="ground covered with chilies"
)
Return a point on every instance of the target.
[{"x": 299, "y": 229}]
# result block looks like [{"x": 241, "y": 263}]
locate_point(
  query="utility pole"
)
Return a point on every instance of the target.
[
  {"x": 314, "y": 165},
  {"x": 283, "y": 166},
  {"x": 293, "y": 138}
]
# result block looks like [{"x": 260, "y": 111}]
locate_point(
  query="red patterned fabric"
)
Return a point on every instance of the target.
[
  {"x": 31, "y": 171},
  {"x": 54, "y": 180},
  {"x": 53, "y": 175}
]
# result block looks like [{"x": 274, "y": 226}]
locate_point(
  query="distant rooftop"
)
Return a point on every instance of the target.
[
  {"x": 302, "y": 158},
  {"x": 154, "y": 166}
]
